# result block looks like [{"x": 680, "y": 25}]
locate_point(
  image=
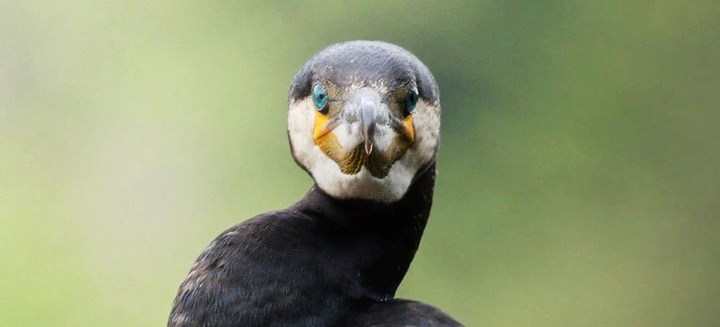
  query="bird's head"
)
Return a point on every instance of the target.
[{"x": 364, "y": 118}]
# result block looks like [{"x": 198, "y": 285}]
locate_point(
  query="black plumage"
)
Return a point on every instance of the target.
[{"x": 323, "y": 261}]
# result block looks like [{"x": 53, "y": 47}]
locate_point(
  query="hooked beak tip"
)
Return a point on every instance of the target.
[
  {"x": 368, "y": 147},
  {"x": 368, "y": 129}
]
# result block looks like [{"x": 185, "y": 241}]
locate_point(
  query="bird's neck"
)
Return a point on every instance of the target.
[{"x": 379, "y": 240}]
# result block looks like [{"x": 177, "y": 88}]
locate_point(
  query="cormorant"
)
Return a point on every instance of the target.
[{"x": 364, "y": 122}]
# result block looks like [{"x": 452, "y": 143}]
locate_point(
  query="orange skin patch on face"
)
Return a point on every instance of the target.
[
  {"x": 409, "y": 128},
  {"x": 319, "y": 131},
  {"x": 350, "y": 162}
]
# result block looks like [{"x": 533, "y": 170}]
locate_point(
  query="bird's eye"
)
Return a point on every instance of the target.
[
  {"x": 412, "y": 100},
  {"x": 320, "y": 97}
]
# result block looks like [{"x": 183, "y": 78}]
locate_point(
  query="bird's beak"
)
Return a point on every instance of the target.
[
  {"x": 368, "y": 103},
  {"x": 364, "y": 132}
]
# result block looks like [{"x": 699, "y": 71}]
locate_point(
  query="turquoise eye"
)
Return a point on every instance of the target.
[
  {"x": 412, "y": 101},
  {"x": 320, "y": 97}
]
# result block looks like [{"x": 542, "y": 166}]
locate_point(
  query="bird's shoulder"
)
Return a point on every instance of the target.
[{"x": 260, "y": 272}]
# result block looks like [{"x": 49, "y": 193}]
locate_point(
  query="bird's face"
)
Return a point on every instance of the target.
[{"x": 364, "y": 117}]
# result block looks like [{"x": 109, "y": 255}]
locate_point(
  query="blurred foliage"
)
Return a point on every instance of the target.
[{"x": 578, "y": 179}]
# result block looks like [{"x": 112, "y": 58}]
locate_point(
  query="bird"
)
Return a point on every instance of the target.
[{"x": 364, "y": 123}]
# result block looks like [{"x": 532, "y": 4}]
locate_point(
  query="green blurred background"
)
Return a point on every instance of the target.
[{"x": 578, "y": 178}]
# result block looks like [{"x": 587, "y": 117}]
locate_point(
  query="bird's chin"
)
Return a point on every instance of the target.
[
  {"x": 363, "y": 184},
  {"x": 356, "y": 173}
]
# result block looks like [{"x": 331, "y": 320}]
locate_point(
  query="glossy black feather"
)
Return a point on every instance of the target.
[{"x": 310, "y": 265}]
